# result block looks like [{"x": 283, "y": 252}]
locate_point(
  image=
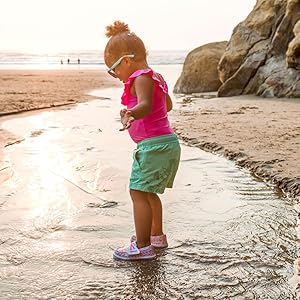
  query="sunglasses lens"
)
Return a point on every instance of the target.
[{"x": 112, "y": 73}]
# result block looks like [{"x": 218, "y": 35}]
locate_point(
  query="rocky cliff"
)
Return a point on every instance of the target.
[{"x": 262, "y": 56}]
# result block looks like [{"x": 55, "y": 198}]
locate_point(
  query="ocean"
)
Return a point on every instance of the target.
[{"x": 88, "y": 58}]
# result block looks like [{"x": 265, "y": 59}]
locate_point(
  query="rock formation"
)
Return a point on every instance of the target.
[
  {"x": 293, "y": 53},
  {"x": 199, "y": 73},
  {"x": 262, "y": 56}
]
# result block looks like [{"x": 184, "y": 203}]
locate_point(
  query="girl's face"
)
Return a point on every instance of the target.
[{"x": 121, "y": 67}]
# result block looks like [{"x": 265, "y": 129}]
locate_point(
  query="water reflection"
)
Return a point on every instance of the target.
[
  {"x": 148, "y": 280},
  {"x": 65, "y": 206}
]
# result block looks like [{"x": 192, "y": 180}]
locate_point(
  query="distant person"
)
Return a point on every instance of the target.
[
  {"x": 156, "y": 159},
  {"x": 68, "y": 61},
  {"x": 61, "y": 62},
  {"x": 78, "y": 61}
]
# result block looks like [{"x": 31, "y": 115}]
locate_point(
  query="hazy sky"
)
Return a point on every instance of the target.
[{"x": 46, "y": 25}]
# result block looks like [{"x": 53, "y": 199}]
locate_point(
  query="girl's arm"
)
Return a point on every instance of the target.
[
  {"x": 169, "y": 103},
  {"x": 143, "y": 89}
]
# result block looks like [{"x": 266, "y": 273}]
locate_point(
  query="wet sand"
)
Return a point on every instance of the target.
[
  {"x": 65, "y": 205},
  {"x": 260, "y": 134},
  {"x": 24, "y": 90}
]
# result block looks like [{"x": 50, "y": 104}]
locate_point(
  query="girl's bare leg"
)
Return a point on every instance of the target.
[
  {"x": 142, "y": 217},
  {"x": 156, "y": 207}
]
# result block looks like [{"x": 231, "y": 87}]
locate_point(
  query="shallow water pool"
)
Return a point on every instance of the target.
[{"x": 64, "y": 206}]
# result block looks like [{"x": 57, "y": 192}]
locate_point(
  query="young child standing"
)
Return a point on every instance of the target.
[{"x": 156, "y": 158}]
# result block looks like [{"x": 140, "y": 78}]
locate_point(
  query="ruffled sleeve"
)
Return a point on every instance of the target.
[{"x": 158, "y": 79}]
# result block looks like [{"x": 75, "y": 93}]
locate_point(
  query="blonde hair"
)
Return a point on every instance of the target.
[{"x": 121, "y": 42}]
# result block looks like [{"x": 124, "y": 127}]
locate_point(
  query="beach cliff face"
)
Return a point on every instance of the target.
[{"x": 262, "y": 56}]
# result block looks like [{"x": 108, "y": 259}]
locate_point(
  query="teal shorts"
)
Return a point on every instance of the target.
[{"x": 155, "y": 163}]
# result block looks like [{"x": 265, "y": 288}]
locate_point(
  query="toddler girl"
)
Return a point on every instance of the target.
[{"x": 156, "y": 158}]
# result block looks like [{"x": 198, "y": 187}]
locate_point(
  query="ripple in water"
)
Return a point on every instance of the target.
[{"x": 230, "y": 235}]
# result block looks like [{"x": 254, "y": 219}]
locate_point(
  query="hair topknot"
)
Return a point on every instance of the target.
[
  {"x": 116, "y": 28},
  {"x": 121, "y": 42}
]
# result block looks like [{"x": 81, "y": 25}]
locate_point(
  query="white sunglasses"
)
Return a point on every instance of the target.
[{"x": 111, "y": 71}]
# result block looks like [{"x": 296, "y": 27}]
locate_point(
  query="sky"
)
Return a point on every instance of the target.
[{"x": 59, "y": 25}]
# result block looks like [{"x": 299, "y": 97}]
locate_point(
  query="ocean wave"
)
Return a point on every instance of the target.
[{"x": 91, "y": 57}]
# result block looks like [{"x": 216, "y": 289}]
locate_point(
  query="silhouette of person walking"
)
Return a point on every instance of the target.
[{"x": 68, "y": 60}]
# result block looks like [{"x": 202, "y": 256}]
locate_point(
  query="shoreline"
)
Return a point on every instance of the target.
[
  {"x": 260, "y": 169},
  {"x": 258, "y": 134},
  {"x": 238, "y": 128},
  {"x": 28, "y": 90},
  {"x": 25, "y": 90}
]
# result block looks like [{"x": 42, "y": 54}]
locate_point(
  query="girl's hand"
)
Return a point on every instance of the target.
[{"x": 126, "y": 119}]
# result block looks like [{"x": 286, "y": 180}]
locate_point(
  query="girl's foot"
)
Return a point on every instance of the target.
[
  {"x": 157, "y": 241},
  {"x": 132, "y": 252}
]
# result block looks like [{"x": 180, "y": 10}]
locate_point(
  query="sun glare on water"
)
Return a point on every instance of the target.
[{"x": 48, "y": 193}]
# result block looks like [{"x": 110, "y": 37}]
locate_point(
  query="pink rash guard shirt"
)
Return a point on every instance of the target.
[{"x": 156, "y": 123}]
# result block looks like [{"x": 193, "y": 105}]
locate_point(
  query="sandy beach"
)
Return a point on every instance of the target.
[
  {"x": 24, "y": 90},
  {"x": 57, "y": 241},
  {"x": 262, "y": 135}
]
